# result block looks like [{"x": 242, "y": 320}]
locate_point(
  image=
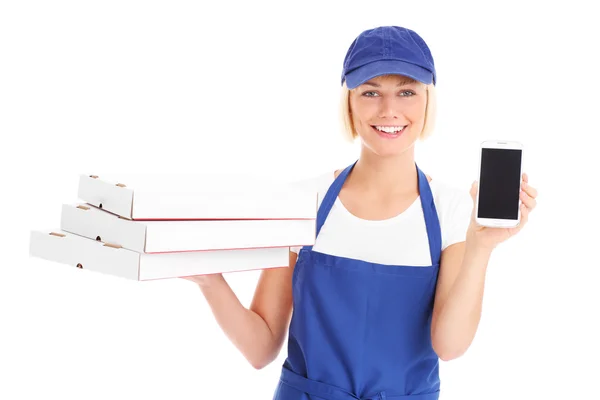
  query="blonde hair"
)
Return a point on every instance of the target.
[{"x": 350, "y": 133}]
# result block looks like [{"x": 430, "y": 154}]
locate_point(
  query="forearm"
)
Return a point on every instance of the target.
[
  {"x": 459, "y": 317},
  {"x": 245, "y": 328}
]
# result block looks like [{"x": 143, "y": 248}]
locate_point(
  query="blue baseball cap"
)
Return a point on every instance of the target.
[{"x": 388, "y": 50}]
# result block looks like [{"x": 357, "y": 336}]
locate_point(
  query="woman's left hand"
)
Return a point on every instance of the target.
[{"x": 489, "y": 238}]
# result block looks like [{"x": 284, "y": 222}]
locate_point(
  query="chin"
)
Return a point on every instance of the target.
[{"x": 384, "y": 148}]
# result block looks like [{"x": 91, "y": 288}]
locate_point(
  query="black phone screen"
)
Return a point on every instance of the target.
[{"x": 499, "y": 183}]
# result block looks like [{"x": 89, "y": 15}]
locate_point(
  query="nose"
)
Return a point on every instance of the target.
[{"x": 389, "y": 108}]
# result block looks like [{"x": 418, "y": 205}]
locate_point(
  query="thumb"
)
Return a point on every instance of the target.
[{"x": 474, "y": 190}]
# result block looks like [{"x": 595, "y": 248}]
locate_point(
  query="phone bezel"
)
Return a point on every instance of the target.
[{"x": 494, "y": 222}]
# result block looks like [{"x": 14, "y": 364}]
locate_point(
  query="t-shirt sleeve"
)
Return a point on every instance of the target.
[
  {"x": 458, "y": 218},
  {"x": 295, "y": 249}
]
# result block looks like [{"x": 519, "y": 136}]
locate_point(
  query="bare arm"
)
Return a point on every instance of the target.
[
  {"x": 459, "y": 298},
  {"x": 258, "y": 332}
]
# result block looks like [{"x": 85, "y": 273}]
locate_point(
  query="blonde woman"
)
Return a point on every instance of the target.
[{"x": 395, "y": 279}]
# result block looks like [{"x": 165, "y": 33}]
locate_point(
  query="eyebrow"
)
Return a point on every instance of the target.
[{"x": 402, "y": 83}]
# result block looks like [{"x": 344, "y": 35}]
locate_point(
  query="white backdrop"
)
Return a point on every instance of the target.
[{"x": 179, "y": 87}]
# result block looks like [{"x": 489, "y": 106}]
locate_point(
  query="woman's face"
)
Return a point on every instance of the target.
[{"x": 388, "y": 113}]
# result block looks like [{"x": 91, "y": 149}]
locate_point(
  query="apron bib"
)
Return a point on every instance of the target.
[{"x": 362, "y": 330}]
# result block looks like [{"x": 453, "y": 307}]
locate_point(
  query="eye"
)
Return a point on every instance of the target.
[
  {"x": 404, "y": 93},
  {"x": 368, "y": 94}
]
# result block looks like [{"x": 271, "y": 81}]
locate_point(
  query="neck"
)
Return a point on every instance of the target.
[{"x": 386, "y": 175}]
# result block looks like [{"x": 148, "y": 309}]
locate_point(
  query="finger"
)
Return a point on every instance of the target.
[
  {"x": 527, "y": 200},
  {"x": 525, "y": 177},
  {"x": 523, "y": 219},
  {"x": 531, "y": 191},
  {"x": 473, "y": 193},
  {"x": 524, "y": 214}
]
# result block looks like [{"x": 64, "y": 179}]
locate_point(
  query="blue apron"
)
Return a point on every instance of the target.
[{"x": 362, "y": 330}]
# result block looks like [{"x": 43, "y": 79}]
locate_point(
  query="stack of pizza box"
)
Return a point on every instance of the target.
[{"x": 150, "y": 229}]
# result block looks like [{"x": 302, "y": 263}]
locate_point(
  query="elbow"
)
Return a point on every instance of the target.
[
  {"x": 447, "y": 353},
  {"x": 265, "y": 355},
  {"x": 448, "y": 356},
  {"x": 258, "y": 366},
  {"x": 262, "y": 361}
]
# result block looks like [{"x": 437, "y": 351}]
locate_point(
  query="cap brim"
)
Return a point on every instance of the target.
[{"x": 387, "y": 67}]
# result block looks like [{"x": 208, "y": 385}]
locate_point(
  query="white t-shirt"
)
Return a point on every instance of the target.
[{"x": 400, "y": 240}]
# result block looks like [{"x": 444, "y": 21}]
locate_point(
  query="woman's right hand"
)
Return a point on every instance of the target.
[{"x": 204, "y": 280}]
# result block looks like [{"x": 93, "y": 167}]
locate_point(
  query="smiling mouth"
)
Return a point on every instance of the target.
[{"x": 389, "y": 132}]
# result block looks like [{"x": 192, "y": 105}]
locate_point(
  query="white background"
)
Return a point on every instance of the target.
[{"x": 179, "y": 87}]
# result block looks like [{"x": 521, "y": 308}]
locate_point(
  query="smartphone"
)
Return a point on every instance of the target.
[{"x": 498, "y": 201}]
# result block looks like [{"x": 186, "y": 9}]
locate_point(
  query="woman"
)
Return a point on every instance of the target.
[{"x": 395, "y": 279}]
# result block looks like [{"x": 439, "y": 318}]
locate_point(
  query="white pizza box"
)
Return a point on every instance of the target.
[
  {"x": 84, "y": 253},
  {"x": 172, "y": 236},
  {"x": 196, "y": 196}
]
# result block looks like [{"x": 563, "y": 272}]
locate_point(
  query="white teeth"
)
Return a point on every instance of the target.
[{"x": 390, "y": 129}]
